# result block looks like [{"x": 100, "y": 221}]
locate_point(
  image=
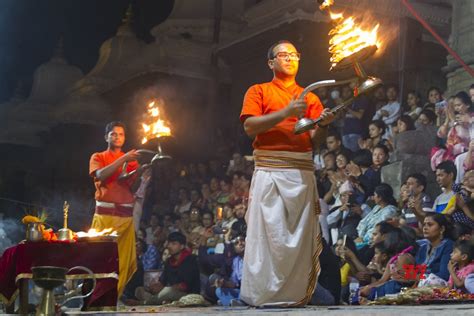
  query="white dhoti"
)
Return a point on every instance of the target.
[{"x": 281, "y": 261}]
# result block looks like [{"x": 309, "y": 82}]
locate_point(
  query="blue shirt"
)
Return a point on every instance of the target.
[
  {"x": 437, "y": 263},
  {"x": 151, "y": 259},
  {"x": 237, "y": 265}
]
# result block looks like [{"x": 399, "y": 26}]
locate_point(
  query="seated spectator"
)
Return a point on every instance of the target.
[
  {"x": 228, "y": 289},
  {"x": 150, "y": 230},
  {"x": 334, "y": 144},
  {"x": 237, "y": 163},
  {"x": 426, "y": 118},
  {"x": 180, "y": 275},
  {"x": 323, "y": 177},
  {"x": 434, "y": 95},
  {"x": 239, "y": 211},
  {"x": 184, "y": 204},
  {"x": 464, "y": 209},
  {"x": 465, "y": 162},
  {"x": 214, "y": 187},
  {"x": 346, "y": 215},
  {"x": 340, "y": 175},
  {"x": 418, "y": 202},
  {"x": 390, "y": 112},
  {"x": 385, "y": 208},
  {"x": 360, "y": 169},
  {"x": 206, "y": 197},
  {"x": 379, "y": 157},
  {"x": 461, "y": 265},
  {"x": 435, "y": 250},
  {"x": 456, "y": 130},
  {"x": 462, "y": 231},
  {"x": 377, "y": 130},
  {"x": 405, "y": 123},
  {"x": 225, "y": 191},
  {"x": 445, "y": 174},
  {"x": 196, "y": 199},
  {"x": 151, "y": 259},
  {"x": 413, "y": 105}
]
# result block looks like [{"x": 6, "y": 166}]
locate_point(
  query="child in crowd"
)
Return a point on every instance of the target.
[{"x": 461, "y": 265}]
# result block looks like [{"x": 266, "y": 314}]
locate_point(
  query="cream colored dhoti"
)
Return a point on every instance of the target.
[{"x": 281, "y": 261}]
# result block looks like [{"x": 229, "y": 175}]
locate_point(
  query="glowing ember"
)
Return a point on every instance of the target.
[
  {"x": 347, "y": 38},
  {"x": 97, "y": 233},
  {"x": 157, "y": 126}
]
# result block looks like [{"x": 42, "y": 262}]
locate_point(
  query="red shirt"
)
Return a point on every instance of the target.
[
  {"x": 112, "y": 190},
  {"x": 273, "y": 96}
]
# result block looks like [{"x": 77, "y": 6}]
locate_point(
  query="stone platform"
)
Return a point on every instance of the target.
[{"x": 426, "y": 310}]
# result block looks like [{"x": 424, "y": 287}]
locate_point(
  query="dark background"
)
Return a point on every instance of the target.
[{"x": 30, "y": 30}]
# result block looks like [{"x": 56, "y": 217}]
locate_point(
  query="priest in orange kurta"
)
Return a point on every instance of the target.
[
  {"x": 281, "y": 264},
  {"x": 114, "y": 197}
]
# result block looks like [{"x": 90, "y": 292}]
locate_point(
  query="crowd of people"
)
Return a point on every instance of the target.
[{"x": 197, "y": 245}]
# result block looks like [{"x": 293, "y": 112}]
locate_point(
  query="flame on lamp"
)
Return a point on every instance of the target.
[
  {"x": 157, "y": 128},
  {"x": 348, "y": 38},
  {"x": 96, "y": 233}
]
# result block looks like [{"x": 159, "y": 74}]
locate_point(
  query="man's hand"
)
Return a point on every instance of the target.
[
  {"x": 296, "y": 107},
  {"x": 130, "y": 156},
  {"x": 327, "y": 116}
]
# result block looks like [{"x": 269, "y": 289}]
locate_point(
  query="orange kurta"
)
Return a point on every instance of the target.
[
  {"x": 111, "y": 190},
  {"x": 117, "y": 216},
  {"x": 273, "y": 96}
]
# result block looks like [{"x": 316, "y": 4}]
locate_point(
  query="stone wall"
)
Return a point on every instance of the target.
[{"x": 462, "y": 41}]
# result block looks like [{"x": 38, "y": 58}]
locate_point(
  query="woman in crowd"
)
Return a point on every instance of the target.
[
  {"x": 385, "y": 208},
  {"x": 405, "y": 123},
  {"x": 435, "y": 250},
  {"x": 434, "y": 95},
  {"x": 426, "y": 118},
  {"x": 413, "y": 105},
  {"x": 456, "y": 130},
  {"x": 377, "y": 130}
]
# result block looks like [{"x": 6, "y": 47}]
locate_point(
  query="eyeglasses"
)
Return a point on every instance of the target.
[{"x": 288, "y": 56}]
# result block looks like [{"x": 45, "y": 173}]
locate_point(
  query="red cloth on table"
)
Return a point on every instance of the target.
[{"x": 100, "y": 257}]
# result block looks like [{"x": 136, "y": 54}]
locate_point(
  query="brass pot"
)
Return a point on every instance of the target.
[{"x": 34, "y": 232}]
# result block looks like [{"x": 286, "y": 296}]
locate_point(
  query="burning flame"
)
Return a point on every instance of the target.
[
  {"x": 326, "y": 4},
  {"x": 157, "y": 128},
  {"x": 97, "y": 233},
  {"x": 348, "y": 38}
]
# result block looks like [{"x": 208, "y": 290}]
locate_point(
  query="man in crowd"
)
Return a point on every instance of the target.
[
  {"x": 390, "y": 112},
  {"x": 445, "y": 175},
  {"x": 282, "y": 217},
  {"x": 334, "y": 144},
  {"x": 179, "y": 278},
  {"x": 114, "y": 197},
  {"x": 418, "y": 201}
]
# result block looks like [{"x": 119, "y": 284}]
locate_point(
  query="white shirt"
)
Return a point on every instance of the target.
[{"x": 393, "y": 109}]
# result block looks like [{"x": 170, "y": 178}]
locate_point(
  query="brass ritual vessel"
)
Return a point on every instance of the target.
[
  {"x": 364, "y": 84},
  {"x": 48, "y": 278}
]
